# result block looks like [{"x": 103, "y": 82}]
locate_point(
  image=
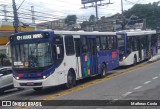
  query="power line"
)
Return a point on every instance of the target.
[
  {"x": 20, "y": 5},
  {"x": 28, "y": 18},
  {"x": 50, "y": 4},
  {"x": 96, "y": 6},
  {"x": 38, "y": 11}
]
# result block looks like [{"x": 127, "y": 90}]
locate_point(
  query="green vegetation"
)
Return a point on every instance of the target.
[
  {"x": 92, "y": 18},
  {"x": 150, "y": 12},
  {"x": 71, "y": 19}
]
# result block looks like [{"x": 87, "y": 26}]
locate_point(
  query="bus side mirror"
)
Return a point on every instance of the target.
[{"x": 57, "y": 50}]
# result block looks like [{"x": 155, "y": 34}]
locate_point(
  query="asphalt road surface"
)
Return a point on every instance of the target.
[{"x": 139, "y": 84}]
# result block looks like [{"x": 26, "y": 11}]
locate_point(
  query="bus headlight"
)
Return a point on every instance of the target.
[
  {"x": 44, "y": 77},
  {"x": 17, "y": 78},
  {"x": 124, "y": 57}
]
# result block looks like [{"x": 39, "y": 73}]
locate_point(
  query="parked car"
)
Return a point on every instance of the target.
[{"x": 6, "y": 79}]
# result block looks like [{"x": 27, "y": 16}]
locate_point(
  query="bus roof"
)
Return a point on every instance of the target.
[
  {"x": 138, "y": 32},
  {"x": 84, "y": 33}
]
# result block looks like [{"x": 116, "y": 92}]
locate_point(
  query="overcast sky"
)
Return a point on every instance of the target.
[{"x": 62, "y": 8}]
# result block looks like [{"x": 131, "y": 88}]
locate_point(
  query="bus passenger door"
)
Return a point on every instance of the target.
[
  {"x": 88, "y": 56},
  {"x": 93, "y": 55},
  {"x": 78, "y": 63}
]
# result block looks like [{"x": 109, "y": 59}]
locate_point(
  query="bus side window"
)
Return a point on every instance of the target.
[
  {"x": 69, "y": 45},
  {"x": 153, "y": 40},
  {"x": 135, "y": 42},
  {"x": 98, "y": 43},
  {"x": 110, "y": 42},
  {"x": 77, "y": 46},
  {"x": 84, "y": 44},
  {"x": 107, "y": 42},
  {"x": 103, "y": 42},
  {"x": 143, "y": 42},
  {"x": 58, "y": 41},
  {"x": 129, "y": 45},
  {"x": 114, "y": 42}
]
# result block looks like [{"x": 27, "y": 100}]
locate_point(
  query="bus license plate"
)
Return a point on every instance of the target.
[{"x": 30, "y": 83}]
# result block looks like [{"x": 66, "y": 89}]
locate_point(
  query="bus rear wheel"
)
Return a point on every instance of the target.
[
  {"x": 103, "y": 71},
  {"x": 37, "y": 88},
  {"x": 71, "y": 80}
]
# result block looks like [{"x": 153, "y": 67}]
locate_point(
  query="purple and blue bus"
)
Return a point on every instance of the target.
[
  {"x": 50, "y": 58},
  {"x": 136, "y": 46}
]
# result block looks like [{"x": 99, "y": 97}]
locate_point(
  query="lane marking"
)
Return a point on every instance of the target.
[
  {"x": 98, "y": 108},
  {"x": 127, "y": 93},
  {"x": 155, "y": 77},
  {"x": 138, "y": 87},
  {"x": 7, "y": 96},
  {"x": 147, "y": 82},
  {"x": 115, "y": 99}
]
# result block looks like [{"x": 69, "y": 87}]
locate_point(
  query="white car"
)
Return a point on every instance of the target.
[{"x": 6, "y": 79}]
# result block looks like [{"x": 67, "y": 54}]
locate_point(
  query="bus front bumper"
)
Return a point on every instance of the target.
[{"x": 50, "y": 81}]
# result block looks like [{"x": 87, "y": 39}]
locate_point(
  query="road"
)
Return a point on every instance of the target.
[{"x": 139, "y": 83}]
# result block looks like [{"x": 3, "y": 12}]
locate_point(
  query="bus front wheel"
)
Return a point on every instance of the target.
[
  {"x": 71, "y": 80},
  {"x": 103, "y": 70}
]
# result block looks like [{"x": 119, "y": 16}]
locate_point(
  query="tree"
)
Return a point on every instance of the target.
[
  {"x": 2, "y": 57},
  {"x": 150, "y": 12},
  {"x": 71, "y": 19},
  {"x": 84, "y": 24},
  {"x": 103, "y": 18},
  {"x": 92, "y": 18}
]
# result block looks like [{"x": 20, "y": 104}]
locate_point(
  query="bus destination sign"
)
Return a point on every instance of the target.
[
  {"x": 28, "y": 37},
  {"x": 33, "y": 36}
]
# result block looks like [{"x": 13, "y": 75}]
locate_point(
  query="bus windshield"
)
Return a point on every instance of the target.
[{"x": 32, "y": 55}]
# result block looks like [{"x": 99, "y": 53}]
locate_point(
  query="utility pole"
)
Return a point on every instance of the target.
[
  {"x": 96, "y": 10},
  {"x": 123, "y": 18},
  {"x": 33, "y": 18},
  {"x": 122, "y": 6},
  {"x": 16, "y": 21}
]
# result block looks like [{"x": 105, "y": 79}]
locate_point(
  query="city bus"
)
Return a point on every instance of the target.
[
  {"x": 50, "y": 58},
  {"x": 136, "y": 46}
]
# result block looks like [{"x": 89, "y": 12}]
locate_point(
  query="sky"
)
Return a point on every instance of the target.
[{"x": 57, "y": 9}]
